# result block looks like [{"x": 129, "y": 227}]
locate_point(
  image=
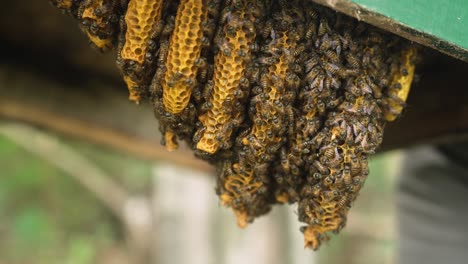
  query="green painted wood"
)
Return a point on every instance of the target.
[
  {"x": 439, "y": 24},
  {"x": 444, "y": 19}
]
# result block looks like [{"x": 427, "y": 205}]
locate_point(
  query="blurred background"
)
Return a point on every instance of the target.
[{"x": 170, "y": 213}]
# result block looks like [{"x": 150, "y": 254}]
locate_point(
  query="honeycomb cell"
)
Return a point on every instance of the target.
[{"x": 183, "y": 58}]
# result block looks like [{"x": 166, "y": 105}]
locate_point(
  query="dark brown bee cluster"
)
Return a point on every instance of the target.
[{"x": 286, "y": 98}]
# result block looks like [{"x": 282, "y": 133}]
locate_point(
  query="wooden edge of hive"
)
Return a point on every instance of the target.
[{"x": 386, "y": 23}]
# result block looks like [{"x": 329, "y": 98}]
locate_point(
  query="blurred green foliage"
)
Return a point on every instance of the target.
[{"x": 46, "y": 217}]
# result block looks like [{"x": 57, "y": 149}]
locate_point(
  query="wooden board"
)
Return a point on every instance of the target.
[{"x": 439, "y": 24}]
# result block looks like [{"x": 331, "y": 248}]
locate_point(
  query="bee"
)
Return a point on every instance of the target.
[
  {"x": 267, "y": 60},
  {"x": 330, "y": 195},
  {"x": 347, "y": 175},
  {"x": 249, "y": 26},
  {"x": 318, "y": 82},
  {"x": 169, "y": 26},
  {"x": 226, "y": 14},
  {"x": 298, "y": 50},
  {"x": 329, "y": 152},
  {"x": 375, "y": 38},
  {"x": 316, "y": 189},
  {"x": 335, "y": 161},
  {"x": 355, "y": 166},
  {"x": 244, "y": 83},
  {"x": 292, "y": 81},
  {"x": 213, "y": 8},
  {"x": 364, "y": 165},
  {"x": 261, "y": 170},
  {"x": 311, "y": 63},
  {"x": 328, "y": 181},
  {"x": 271, "y": 49},
  {"x": 332, "y": 56},
  {"x": 343, "y": 201},
  {"x": 163, "y": 48},
  {"x": 331, "y": 68},
  {"x": 264, "y": 83},
  {"x": 204, "y": 73},
  {"x": 310, "y": 32},
  {"x": 323, "y": 27},
  {"x": 339, "y": 182},
  {"x": 376, "y": 90},
  {"x": 307, "y": 191}
]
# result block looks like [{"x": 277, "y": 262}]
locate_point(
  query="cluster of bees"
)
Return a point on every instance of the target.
[{"x": 286, "y": 98}]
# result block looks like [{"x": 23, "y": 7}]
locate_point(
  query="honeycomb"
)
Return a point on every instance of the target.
[
  {"x": 287, "y": 99},
  {"x": 183, "y": 58},
  {"x": 67, "y": 6},
  {"x": 63, "y": 4},
  {"x": 99, "y": 22},
  {"x": 141, "y": 19},
  {"x": 229, "y": 75},
  {"x": 400, "y": 86}
]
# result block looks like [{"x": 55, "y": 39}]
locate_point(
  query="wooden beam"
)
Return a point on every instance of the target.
[{"x": 438, "y": 24}]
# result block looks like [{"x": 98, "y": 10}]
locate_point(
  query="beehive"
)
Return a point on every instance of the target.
[{"x": 286, "y": 98}]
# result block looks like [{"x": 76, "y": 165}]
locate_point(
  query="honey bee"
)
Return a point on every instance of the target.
[
  {"x": 333, "y": 56},
  {"x": 316, "y": 189},
  {"x": 163, "y": 48},
  {"x": 347, "y": 175},
  {"x": 323, "y": 27},
  {"x": 335, "y": 161},
  {"x": 310, "y": 33},
  {"x": 267, "y": 60},
  {"x": 331, "y": 68},
  {"x": 364, "y": 165},
  {"x": 342, "y": 202},
  {"x": 328, "y": 181},
  {"x": 330, "y": 195},
  {"x": 311, "y": 63},
  {"x": 339, "y": 182},
  {"x": 213, "y": 8},
  {"x": 317, "y": 82}
]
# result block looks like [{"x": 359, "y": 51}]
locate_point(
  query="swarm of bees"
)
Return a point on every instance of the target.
[{"x": 286, "y": 98}]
